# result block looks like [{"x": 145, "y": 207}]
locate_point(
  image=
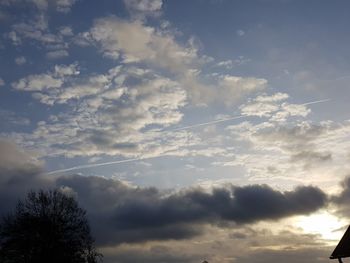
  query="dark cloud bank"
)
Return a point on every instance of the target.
[{"x": 123, "y": 214}]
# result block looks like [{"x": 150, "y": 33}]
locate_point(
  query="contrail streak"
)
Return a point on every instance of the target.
[
  {"x": 208, "y": 123},
  {"x": 98, "y": 164},
  {"x": 176, "y": 129},
  {"x": 315, "y": 102},
  {"x": 141, "y": 158}
]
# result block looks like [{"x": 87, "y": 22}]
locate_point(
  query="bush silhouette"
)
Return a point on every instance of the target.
[{"x": 47, "y": 226}]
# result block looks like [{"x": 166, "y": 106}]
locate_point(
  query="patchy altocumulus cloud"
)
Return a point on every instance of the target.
[
  {"x": 135, "y": 42},
  {"x": 50, "y": 80},
  {"x": 57, "y": 54},
  {"x": 142, "y": 8},
  {"x": 112, "y": 110},
  {"x": 11, "y": 119},
  {"x": 274, "y": 107},
  {"x": 42, "y": 5},
  {"x": 282, "y": 144}
]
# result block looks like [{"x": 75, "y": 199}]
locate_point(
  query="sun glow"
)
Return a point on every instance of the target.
[{"x": 326, "y": 225}]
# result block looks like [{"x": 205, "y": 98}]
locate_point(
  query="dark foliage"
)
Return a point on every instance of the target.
[{"x": 47, "y": 226}]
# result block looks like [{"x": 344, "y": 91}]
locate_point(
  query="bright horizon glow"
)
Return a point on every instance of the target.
[{"x": 328, "y": 226}]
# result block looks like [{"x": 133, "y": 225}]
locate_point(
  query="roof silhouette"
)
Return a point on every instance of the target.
[{"x": 342, "y": 250}]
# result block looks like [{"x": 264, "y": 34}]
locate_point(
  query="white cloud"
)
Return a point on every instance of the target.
[
  {"x": 20, "y": 60},
  {"x": 235, "y": 88},
  {"x": 109, "y": 113},
  {"x": 225, "y": 63},
  {"x": 36, "y": 29},
  {"x": 57, "y": 54},
  {"x": 37, "y": 82},
  {"x": 273, "y": 107},
  {"x": 66, "y": 31},
  {"x": 240, "y": 32},
  {"x": 65, "y": 6},
  {"x": 2, "y": 82},
  {"x": 229, "y": 64},
  {"x": 142, "y": 8},
  {"x": 135, "y": 42},
  {"x": 144, "y": 5},
  {"x": 259, "y": 109},
  {"x": 293, "y": 151},
  {"x": 272, "y": 98},
  {"x": 50, "y": 80},
  {"x": 288, "y": 110},
  {"x": 66, "y": 70},
  {"x": 11, "y": 118},
  {"x": 42, "y": 5}
]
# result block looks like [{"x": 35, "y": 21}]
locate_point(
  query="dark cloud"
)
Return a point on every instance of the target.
[
  {"x": 126, "y": 214},
  {"x": 19, "y": 173},
  {"x": 156, "y": 254},
  {"x": 305, "y": 255},
  {"x": 120, "y": 213},
  {"x": 342, "y": 200}
]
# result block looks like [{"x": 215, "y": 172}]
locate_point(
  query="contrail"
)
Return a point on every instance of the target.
[
  {"x": 315, "y": 102},
  {"x": 140, "y": 158},
  {"x": 176, "y": 129},
  {"x": 234, "y": 118},
  {"x": 208, "y": 123},
  {"x": 97, "y": 165}
]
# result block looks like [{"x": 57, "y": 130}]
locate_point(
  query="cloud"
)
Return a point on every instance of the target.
[
  {"x": 142, "y": 8},
  {"x": 274, "y": 107},
  {"x": 50, "y": 80},
  {"x": 36, "y": 29},
  {"x": 144, "y": 5},
  {"x": 220, "y": 245},
  {"x": 66, "y": 31},
  {"x": 229, "y": 64},
  {"x": 240, "y": 33},
  {"x": 235, "y": 87},
  {"x": 341, "y": 199},
  {"x": 225, "y": 63},
  {"x": 154, "y": 254},
  {"x": 123, "y": 217},
  {"x": 121, "y": 213},
  {"x": 132, "y": 41},
  {"x": 20, "y": 60},
  {"x": 57, "y": 54},
  {"x": 312, "y": 157},
  {"x": 42, "y": 5},
  {"x": 37, "y": 83},
  {"x": 112, "y": 109},
  {"x": 295, "y": 150},
  {"x": 304, "y": 255},
  {"x": 65, "y": 6},
  {"x": 19, "y": 173},
  {"x": 10, "y": 118},
  {"x": 2, "y": 82},
  {"x": 135, "y": 42}
]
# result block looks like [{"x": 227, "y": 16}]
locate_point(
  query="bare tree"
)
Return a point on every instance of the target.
[{"x": 47, "y": 226}]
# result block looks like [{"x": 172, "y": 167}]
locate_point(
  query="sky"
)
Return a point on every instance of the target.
[{"x": 194, "y": 130}]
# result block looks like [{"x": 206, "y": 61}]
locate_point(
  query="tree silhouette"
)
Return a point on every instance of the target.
[{"x": 47, "y": 226}]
